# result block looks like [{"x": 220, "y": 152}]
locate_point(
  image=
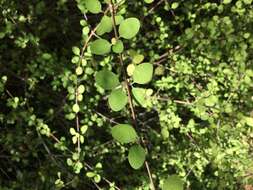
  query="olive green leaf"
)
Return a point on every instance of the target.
[
  {"x": 94, "y": 6},
  {"x": 129, "y": 27},
  {"x": 106, "y": 79},
  {"x": 143, "y": 73},
  {"x": 124, "y": 133},
  {"x": 173, "y": 183},
  {"x": 136, "y": 156},
  {"x": 117, "y": 100},
  {"x": 105, "y": 26},
  {"x": 100, "y": 47}
]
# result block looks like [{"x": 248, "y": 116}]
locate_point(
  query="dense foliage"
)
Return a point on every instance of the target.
[{"x": 124, "y": 94}]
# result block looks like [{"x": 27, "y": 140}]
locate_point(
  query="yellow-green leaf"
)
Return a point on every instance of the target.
[
  {"x": 143, "y": 73},
  {"x": 136, "y": 156},
  {"x": 129, "y": 28},
  {"x": 100, "y": 47},
  {"x": 124, "y": 133},
  {"x": 117, "y": 100}
]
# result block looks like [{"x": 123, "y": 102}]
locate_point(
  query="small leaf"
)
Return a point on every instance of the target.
[
  {"x": 105, "y": 26},
  {"x": 76, "y": 50},
  {"x": 100, "y": 47},
  {"x": 139, "y": 95},
  {"x": 138, "y": 58},
  {"x": 118, "y": 19},
  {"x": 97, "y": 178},
  {"x": 136, "y": 156},
  {"x": 124, "y": 133},
  {"x": 117, "y": 100},
  {"x": 174, "y": 5},
  {"x": 118, "y": 47},
  {"x": 90, "y": 174},
  {"x": 107, "y": 79},
  {"x": 76, "y": 108},
  {"x": 143, "y": 73},
  {"x": 84, "y": 128},
  {"x": 173, "y": 183},
  {"x": 227, "y": 1},
  {"x": 249, "y": 121},
  {"x": 81, "y": 89},
  {"x": 72, "y": 131},
  {"x": 129, "y": 28},
  {"x": 94, "y": 6},
  {"x": 130, "y": 69},
  {"x": 159, "y": 70},
  {"x": 79, "y": 70}
]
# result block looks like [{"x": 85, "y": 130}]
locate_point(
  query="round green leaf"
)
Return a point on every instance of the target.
[
  {"x": 118, "y": 19},
  {"x": 124, "y": 133},
  {"x": 107, "y": 79},
  {"x": 105, "y": 26},
  {"x": 118, "y": 47},
  {"x": 100, "y": 47},
  {"x": 136, "y": 156},
  {"x": 143, "y": 73},
  {"x": 94, "y": 6},
  {"x": 139, "y": 95},
  {"x": 129, "y": 28},
  {"x": 117, "y": 100},
  {"x": 173, "y": 183}
]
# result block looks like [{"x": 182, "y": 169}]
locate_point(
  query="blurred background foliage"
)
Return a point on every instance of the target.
[{"x": 197, "y": 124}]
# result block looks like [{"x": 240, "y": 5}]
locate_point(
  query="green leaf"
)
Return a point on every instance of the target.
[
  {"x": 139, "y": 95},
  {"x": 105, "y": 26},
  {"x": 94, "y": 6},
  {"x": 124, "y": 133},
  {"x": 249, "y": 121},
  {"x": 129, "y": 28},
  {"x": 148, "y": 1},
  {"x": 160, "y": 70},
  {"x": 118, "y": 47},
  {"x": 143, "y": 73},
  {"x": 118, "y": 19},
  {"x": 117, "y": 100},
  {"x": 174, "y": 5},
  {"x": 107, "y": 79},
  {"x": 138, "y": 58},
  {"x": 227, "y": 1},
  {"x": 75, "y": 108},
  {"x": 76, "y": 50},
  {"x": 136, "y": 156},
  {"x": 130, "y": 69},
  {"x": 173, "y": 183},
  {"x": 100, "y": 47}
]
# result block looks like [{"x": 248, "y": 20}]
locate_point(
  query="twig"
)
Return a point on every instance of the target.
[
  {"x": 107, "y": 118},
  {"x": 156, "y": 5},
  {"x": 85, "y": 163},
  {"x": 130, "y": 99},
  {"x": 92, "y": 33}
]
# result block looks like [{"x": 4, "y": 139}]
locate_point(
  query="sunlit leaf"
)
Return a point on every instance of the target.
[
  {"x": 136, "y": 156},
  {"x": 124, "y": 133},
  {"x": 129, "y": 28}
]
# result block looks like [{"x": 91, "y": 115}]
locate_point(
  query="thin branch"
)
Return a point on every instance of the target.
[
  {"x": 156, "y": 5},
  {"x": 130, "y": 99}
]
